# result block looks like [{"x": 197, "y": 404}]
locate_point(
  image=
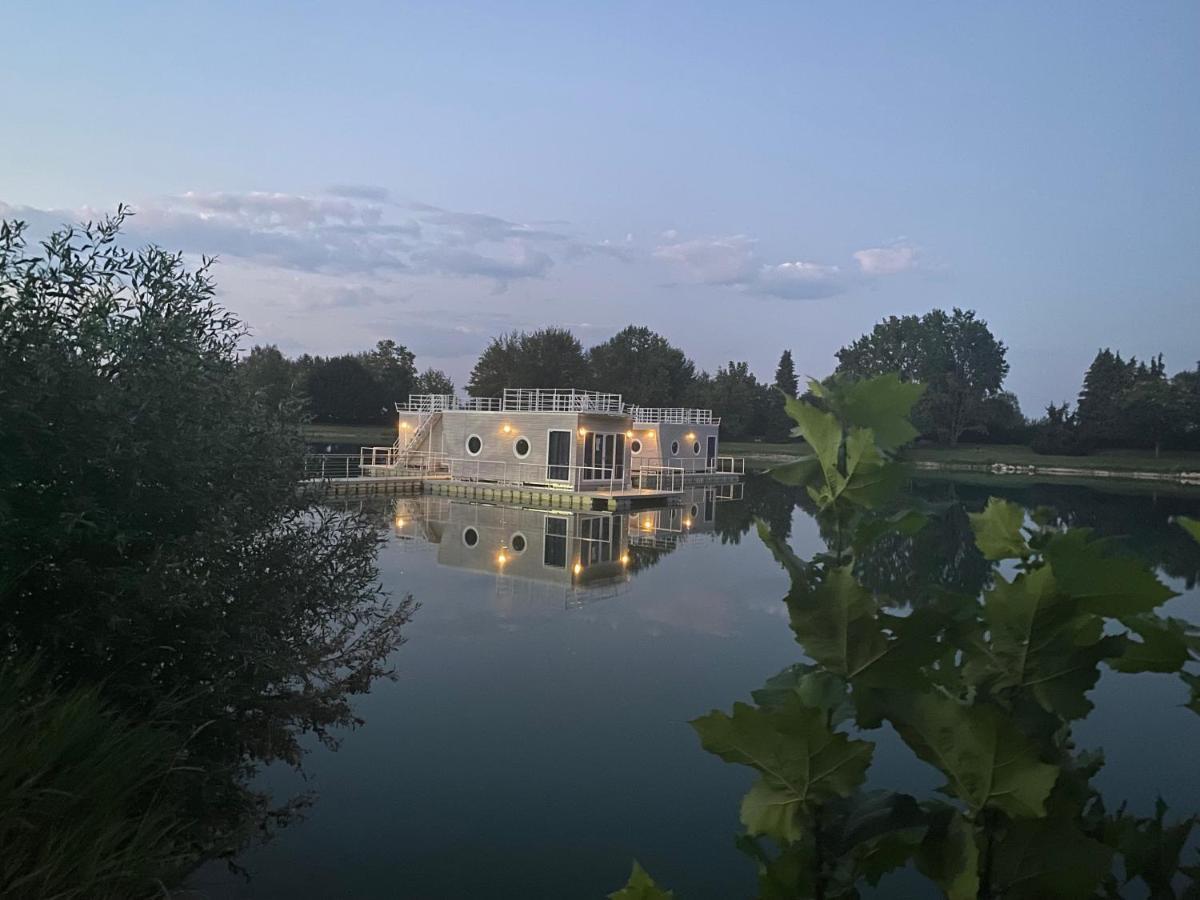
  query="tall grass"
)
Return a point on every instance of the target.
[{"x": 84, "y": 799}]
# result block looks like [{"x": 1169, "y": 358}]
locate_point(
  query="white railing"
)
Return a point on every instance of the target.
[
  {"x": 732, "y": 465},
  {"x": 324, "y": 466},
  {"x": 667, "y": 479},
  {"x": 700, "y": 465},
  {"x": 561, "y": 400},
  {"x": 566, "y": 477},
  {"x": 428, "y": 403},
  {"x": 673, "y": 415},
  {"x": 388, "y": 461}
]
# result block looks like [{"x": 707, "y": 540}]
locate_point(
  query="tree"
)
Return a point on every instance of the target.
[
  {"x": 779, "y": 423},
  {"x": 954, "y": 355},
  {"x": 547, "y": 358},
  {"x": 343, "y": 390},
  {"x": 155, "y": 552},
  {"x": 641, "y": 366},
  {"x": 1152, "y": 409},
  {"x": 1058, "y": 433},
  {"x": 1099, "y": 411},
  {"x": 1001, "y": 420},
  {"x": 270, "y": 374},
  {"x": 740, "y": 400},
  {"x": 785, "y": 375},
  {"x": 433, "y": 381},
  {"x": 497, "y": 366},
  {"x": 394, "y": 370}
]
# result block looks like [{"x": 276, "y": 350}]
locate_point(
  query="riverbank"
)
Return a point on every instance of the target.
[
  {"x": 1179, "y": 467},
  {"x": 361, "y": 435}
]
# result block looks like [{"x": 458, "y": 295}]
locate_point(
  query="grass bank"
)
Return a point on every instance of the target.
[
  {"x": 988, "y": 455},
  {"x": 362, "y": 435}
]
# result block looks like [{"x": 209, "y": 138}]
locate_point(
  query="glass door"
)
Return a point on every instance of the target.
[{"x": 558, "y": 455}]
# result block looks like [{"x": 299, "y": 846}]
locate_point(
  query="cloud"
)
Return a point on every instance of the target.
[
  {"x": 798, "y": 281},
  {"x": 520, "y": 261},
  {"x": 733, "y": 261},
  {"x": 899, "y": 257},
  {"x": 721, "y": 260},
  {"x": 360, "y": 192}
]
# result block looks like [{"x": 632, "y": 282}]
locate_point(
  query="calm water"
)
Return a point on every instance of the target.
[{"x": 536, "y": 741}]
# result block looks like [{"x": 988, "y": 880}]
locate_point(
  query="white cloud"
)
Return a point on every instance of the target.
[
  {"x": 732, "y": 261},
  {"x": 720, "y": 260},
  {"x": 798, "y": 281},
  {"x": 899, "y": 257}
]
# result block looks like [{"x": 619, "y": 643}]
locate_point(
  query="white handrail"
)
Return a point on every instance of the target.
[{"x": 677, "y": 415}]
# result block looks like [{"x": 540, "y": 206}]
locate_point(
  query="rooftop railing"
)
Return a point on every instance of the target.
[
  {"x": 561, "y": 400},
  {"x": 673, "y": 415}
]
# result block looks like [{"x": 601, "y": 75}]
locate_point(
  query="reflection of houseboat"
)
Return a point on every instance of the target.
[
  {"x": 569, "y": 548},
  {"x": 575, "y": 550},
  {"x": 553, "y": 440}
]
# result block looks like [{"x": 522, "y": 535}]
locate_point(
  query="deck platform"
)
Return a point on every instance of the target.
[{"x": 554, "y": 498}]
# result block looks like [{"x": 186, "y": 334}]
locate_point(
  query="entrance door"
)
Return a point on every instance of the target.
[
  {"x": 603, "y": 457},
  {"x": 712, "y": 451},
  {"x": 558, "y": 455}
]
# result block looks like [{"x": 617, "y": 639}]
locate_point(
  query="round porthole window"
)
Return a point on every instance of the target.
[
  {"x": 474, "y": 444},
  {"x": 470, "y": 537},
  {"x": 517, "y": 542},
  {"x": 635, "y": 447},
  {"x": 695, "y": 510},
  {"x": 521, "y": 447},
  {"x": 674, "y": 448},
  {"x": 696, "y": 448}
]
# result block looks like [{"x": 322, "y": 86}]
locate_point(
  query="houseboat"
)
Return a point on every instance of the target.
[{"x": 585, "y": 442}]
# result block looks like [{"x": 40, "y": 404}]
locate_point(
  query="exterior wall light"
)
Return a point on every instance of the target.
[
  {"x": 578, "y": 568},
  {"x": 624, "y": 559},
  {"x": 501, "y": 557},
  {"x": 506, "y": 429},
  {"x": 629, "y": 434},
  {"x": 582, "y": 432}
]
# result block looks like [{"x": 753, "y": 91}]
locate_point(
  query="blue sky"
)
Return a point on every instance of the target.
[{"x": 742, "y": 177}]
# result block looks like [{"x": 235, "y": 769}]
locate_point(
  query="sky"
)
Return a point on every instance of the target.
[{"x": 741, "y": 177}]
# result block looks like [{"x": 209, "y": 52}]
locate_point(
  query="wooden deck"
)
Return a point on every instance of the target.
[{"x": 599, "y": 501}]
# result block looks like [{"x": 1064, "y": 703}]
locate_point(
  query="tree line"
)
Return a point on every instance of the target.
[{"x": 1124, "y": 403}]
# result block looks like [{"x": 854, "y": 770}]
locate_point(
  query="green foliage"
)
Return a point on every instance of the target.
[
  {"x": 642, "y": 366},
  {"x": 998, "y": 530},
  {"x": 988, "y": 761},
  {"x": 154, "y": 548},
  {"x": 432, "y": 381},
  {"x": 800, "y": 760},
  {"x": 983, "y": 683},
  {"x": 1191, "y": 526},
  {"x": 954, "y": 355},
  {"x": 85, "y": 807},
  {"x": 640, "y": 887},
  {"x": 547, "y": 358}
]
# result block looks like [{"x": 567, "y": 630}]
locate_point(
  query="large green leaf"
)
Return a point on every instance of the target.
[
  {"x": 998, "y": 530},
  {"x": 640, "y": 887},
  {"x": 1104, "y": 584},
  {"x": 796, "y": 568},
  {"x": 1037, "y": 859},
  {"x": 1163, "y": 646},
  {"x": 988, "y": 761},
  {"x": 949, "y": 855},
  {"x": 837, "y": 625},
  {"x": 802, "y": 471},
  {"x": 802, "y": 761},
  {"x": 882, "y": 404},
  {"x": 1190, "y": 525},
  {"x": 1040, "y": 643},
  {"x": 821, "y": 430},
  {"x": 814, "y": 686}
]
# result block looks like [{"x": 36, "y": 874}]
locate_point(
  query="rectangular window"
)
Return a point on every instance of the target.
[
  {"x": 558, "y": 456},
  {"x": 712, "y": 450},
  {"x": 554, "y": 547}
]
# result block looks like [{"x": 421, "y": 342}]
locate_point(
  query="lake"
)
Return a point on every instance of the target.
[{"x": 536, "y": 741}]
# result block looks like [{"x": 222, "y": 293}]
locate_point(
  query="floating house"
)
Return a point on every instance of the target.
[{"x": 556, "y": 439}]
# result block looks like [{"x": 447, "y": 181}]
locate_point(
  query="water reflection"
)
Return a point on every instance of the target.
[{"x": 569, "y": 556}]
